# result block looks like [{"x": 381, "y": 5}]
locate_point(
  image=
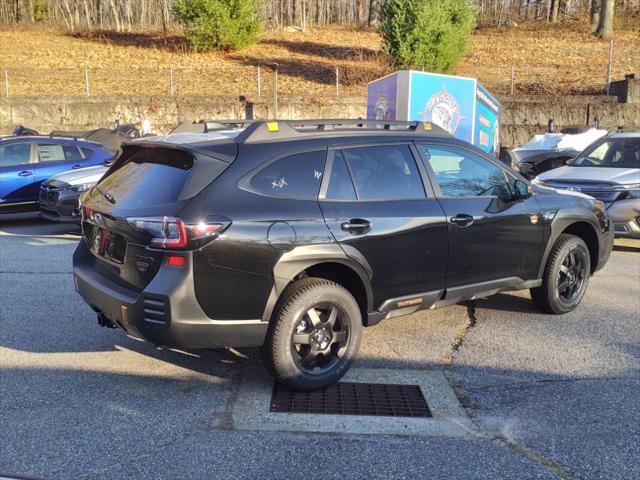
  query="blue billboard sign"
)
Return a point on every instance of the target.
[
  {"x": 459, "y": 105},
  {"x": 444, "y": 100},
  {"x": 487, "y": 131},
  {"x": 381, "y": 98}
]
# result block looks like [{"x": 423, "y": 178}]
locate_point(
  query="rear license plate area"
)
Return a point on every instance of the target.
[{"x": 107, "y": 245}]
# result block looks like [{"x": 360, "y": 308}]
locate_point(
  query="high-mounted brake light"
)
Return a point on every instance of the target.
[{"x": 172, "y": 232}]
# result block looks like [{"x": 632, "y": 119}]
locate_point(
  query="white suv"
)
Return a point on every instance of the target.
[{"x": 609, "y": 170}]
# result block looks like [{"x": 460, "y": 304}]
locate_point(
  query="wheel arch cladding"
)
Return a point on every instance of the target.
[
  {"x": 331, "y": 264},
  {"x": 588, "y": 234},
  {"x": 345, "y": 276}
]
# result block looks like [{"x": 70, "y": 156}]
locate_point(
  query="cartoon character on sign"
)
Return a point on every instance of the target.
[
  {"x": 381, "y": 108},
  {"x": 442, "y": 109}
]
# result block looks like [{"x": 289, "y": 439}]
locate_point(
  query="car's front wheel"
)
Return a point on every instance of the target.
[
  {"x": 566, "y": 276},
  {"x": 314, "y": 335}
]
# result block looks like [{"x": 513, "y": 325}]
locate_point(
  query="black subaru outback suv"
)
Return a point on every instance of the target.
[{"x": 293, "y": 235}]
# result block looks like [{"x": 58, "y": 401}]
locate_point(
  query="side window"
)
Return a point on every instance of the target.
[
  {"x": 15, "y": 154},
  {"x": 58, "y": 152},
  {"x": 384, "y": 172},
  {"x": 87, "y": 152},
  {"x": 340, "y": 184},
  {"x": 295, "y": 176},
  {"x": 463, "y": 174}
]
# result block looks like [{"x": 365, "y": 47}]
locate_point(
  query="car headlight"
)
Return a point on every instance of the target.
[
  {"x": 599, "y": 206},
  {"x": 83, "y": 187},
  {"x": 630, "y": 192},
  {"x": 538, "y": 182}
]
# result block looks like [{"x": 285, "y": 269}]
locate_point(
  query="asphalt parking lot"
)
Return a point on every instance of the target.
[{"x": 542, "y": 396}]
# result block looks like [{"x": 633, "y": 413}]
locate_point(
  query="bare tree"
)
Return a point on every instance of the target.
[
  {"x": 605, "y": 26},
  {"x": 594, "y": 14}
]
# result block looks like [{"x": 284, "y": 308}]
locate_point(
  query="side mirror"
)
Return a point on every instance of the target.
[{"x": 520, "y": 190}]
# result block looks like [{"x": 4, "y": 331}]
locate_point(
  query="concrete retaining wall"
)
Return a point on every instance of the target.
[{"x": 522, "y": 116}]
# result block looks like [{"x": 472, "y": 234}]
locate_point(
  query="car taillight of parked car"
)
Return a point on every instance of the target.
[{"x": 175, "y": 233}]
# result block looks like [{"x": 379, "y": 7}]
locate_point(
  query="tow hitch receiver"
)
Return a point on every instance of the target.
[{"x": 105, "y": 322}]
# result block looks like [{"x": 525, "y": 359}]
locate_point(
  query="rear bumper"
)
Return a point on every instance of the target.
[
  {"x": 166, "y": 312},
  {"x": 625, "y": 214}
]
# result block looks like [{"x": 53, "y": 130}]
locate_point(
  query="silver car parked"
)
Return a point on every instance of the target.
[{"x": 609, "y": 170}]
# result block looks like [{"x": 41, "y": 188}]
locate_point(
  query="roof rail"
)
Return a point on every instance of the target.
[
  {"x": 622, "y": 129},
  {"x": 267, "y": 130},
  {"x": 204, "y": 126}
]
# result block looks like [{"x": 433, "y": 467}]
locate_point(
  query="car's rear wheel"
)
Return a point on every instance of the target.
[
  {"x": 314, "y": 336},
  {"x": 566, "y": 276}
]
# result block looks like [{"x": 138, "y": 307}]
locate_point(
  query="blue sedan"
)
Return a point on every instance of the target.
[{"x": 25, "y": 162}]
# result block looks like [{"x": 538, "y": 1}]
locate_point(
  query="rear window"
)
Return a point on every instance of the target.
[{"x": 152, "y": 176}]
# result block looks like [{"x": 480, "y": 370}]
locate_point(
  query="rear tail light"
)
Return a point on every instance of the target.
[{"x": 172, "y": 232}]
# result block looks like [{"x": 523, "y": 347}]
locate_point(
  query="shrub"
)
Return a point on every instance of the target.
[
  {"x": 220, "y": 24},
  {"x": 40, "y": 11},
  {"x": 427, "y": 34}
]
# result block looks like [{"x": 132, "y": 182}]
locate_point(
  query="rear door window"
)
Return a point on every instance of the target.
[
  {"x": 340, "y": 184},
  {"x": 150, "y": 177},
  {"x": 294, "y": 176},
  {"x": 384, "y": 172},
  {"x": 58, "y": 152},
  {"x": 15, "y": 154}
]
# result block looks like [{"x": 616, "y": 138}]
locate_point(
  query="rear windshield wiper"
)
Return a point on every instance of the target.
[{"x": 106, "y": 195}]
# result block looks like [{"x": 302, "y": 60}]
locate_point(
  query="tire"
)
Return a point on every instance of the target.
[
  {"x": 304, "y": 350},
  {"x": 566, "y": 276}
]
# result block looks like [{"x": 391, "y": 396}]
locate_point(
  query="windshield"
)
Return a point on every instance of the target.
[{"x": 613, "y": 153}]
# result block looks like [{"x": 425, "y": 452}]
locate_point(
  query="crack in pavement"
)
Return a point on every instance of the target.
[
  {"x": 481, "y": 432},
  {"x": 461, "y": 334}
]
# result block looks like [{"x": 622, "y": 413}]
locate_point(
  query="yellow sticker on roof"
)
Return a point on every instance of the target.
[
  {"x": 426, "y": 125},
  {"x": 273, "y": 126}
]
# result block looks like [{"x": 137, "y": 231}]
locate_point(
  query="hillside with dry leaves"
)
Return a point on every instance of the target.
[{"x": 563, "y": 59}]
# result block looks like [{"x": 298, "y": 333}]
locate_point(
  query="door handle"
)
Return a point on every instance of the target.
[
  {"x": 25, "y": 173},
  {"x": 75, "y": 166},
  {"x": 356, "y": 225},
  {"x": 462, "y": 220}
]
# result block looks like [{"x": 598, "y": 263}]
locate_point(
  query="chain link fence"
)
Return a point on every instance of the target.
[
  {"x": 256, "y": 82},
  {"x": 250, "y": 81}
]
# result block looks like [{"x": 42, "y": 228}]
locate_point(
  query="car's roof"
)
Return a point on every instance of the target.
[
  {"x": 197, "y": 136},
  {"x": 46, "y": 138},
  {"x": 632, "y": 134}
]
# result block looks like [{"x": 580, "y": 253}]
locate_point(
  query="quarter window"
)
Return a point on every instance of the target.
[
  {"x": 87, "y": 152},
  {"x": 384, "y": 172},
  {"x": 58, "y": 152},
  {"x": 463, "y": 174},
  {"x": 295, "y": 176},
  {"x": 15, "y": 154}
]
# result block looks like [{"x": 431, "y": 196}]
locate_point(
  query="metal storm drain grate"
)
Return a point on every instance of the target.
[{"x": 354, "y": 399}]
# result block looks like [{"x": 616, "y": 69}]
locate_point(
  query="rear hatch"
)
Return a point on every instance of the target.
[{"x": 130, "y": 218}]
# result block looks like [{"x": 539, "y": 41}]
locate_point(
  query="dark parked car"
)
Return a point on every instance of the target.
[
  {"x": 293, "y": 235},
  {"x": 26, "y": 161}
]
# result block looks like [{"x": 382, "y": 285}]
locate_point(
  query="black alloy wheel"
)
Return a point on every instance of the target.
[
  {"x": 571, "y": 275},
  {"x": 320, "y": 339},
  {"x": 314, "y": 334},
  {"x": 566, "y": 276}
]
